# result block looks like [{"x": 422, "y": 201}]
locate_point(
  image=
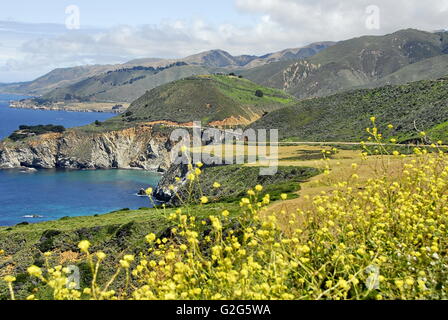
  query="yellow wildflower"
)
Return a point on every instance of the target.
[
  {"x": 9, "y": 279},
  {"x": 35, "y": 271},
  {"x": 204, "y": 200},
  {"x": 84, "y": 246},
  {"x": 150, "y": 237}
]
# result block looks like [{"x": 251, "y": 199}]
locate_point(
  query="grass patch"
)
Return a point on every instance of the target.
[{"x": 235, "y": 180}]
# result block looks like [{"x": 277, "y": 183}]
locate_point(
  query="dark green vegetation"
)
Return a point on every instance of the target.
[
  {"x": 439, "y": 132},
  {"x": 124, "y": 231},
  {"x": 366, "y": 61},
  {"x": 432, "y": 68},
  {"x": 205, "y": 98},
  {"x": 235, "y": 180},
  {"x": 27, "y": 131},
  {"x": 115, "y": 233},
  {"x": 411, "y": 108}
]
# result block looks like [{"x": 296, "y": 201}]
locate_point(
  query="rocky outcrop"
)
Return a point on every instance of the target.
[
  {"x": 174, "y": 184},
  {"x": 163, "y": 192},
  {"x": 134, "y": 148},
  {"x": 298, "y": 72}
]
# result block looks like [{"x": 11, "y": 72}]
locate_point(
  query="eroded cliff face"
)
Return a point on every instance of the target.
[{"x": 133, "y": 148}]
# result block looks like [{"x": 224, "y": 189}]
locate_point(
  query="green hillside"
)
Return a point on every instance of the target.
[
  {"x": 269, "y": 75},
  {"x": 207, "y": 98},
  {"x": 405, "y": 46},
  {"x": 363, "y": 61},
  {"x": 428, "y": 69},
  {"x": 123, "y": 85},
  {"x": 344, "y": 116}
]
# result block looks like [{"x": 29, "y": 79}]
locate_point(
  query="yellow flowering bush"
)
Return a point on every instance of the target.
[{"x": 381, "y": 239}]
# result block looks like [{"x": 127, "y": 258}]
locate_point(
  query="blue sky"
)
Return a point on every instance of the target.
[
  {"x": 34, "y": 38},
  {"x": 106, "y": 13}
]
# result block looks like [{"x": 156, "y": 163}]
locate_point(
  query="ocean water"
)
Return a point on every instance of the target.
[
  {"x": 52, "y": 194},
  {"x": 11, "y": 119}
]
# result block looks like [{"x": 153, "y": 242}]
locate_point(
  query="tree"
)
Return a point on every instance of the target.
[{"x": 259, "y": 93}]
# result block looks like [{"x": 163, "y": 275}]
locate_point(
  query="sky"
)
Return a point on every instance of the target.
[{"x": 39, "y": 36}]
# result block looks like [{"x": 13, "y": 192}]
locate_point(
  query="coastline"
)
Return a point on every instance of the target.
[
  {"x": 99, "y": 107},
  {"x": 38, "y": 216}
]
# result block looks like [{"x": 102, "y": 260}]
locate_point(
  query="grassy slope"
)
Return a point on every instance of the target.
[
  {"x": 340, "y": 117},
  {"x": 124, "y": 85},
  {"x": 269, "y": 75},
  {"x": 115, "y": 234},
  {"x": 132, "y": 91},
  {"x": 439, "y": 132},
  {"x": 417, "y": 44},
  {"x": 428, "y": 69},
  {"x": 124, "y": 231},
  {"x": 205, "y": 98},
  {"x": 235, "y": 180}
]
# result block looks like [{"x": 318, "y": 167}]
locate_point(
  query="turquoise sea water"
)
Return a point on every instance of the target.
[
  {"x": 53, "y": 194},
  {"x": 11, "y": 119}
]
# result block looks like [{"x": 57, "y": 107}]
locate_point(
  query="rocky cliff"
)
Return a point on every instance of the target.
[
  {"x": 134, "y": 148},
  {"x": 164, "y": 192}
]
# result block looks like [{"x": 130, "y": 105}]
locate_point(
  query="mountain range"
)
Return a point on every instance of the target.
[
  {"x": 126, "y": 82},
  {"x": 320, "y": 69},
  {"x": 322, "y": 92},
  {"x": 368, "y": 61}
]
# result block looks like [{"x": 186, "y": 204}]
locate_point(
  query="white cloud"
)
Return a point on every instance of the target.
[
  {"x": 30, "y": 50},
  {"x": 336, "y": 19}
]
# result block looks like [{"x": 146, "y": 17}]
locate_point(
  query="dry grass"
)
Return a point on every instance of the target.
[
  {"x": 8, "y": 269},
  {"x": 341, "y": 169},
  {"x": 68, "y": 256}
]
